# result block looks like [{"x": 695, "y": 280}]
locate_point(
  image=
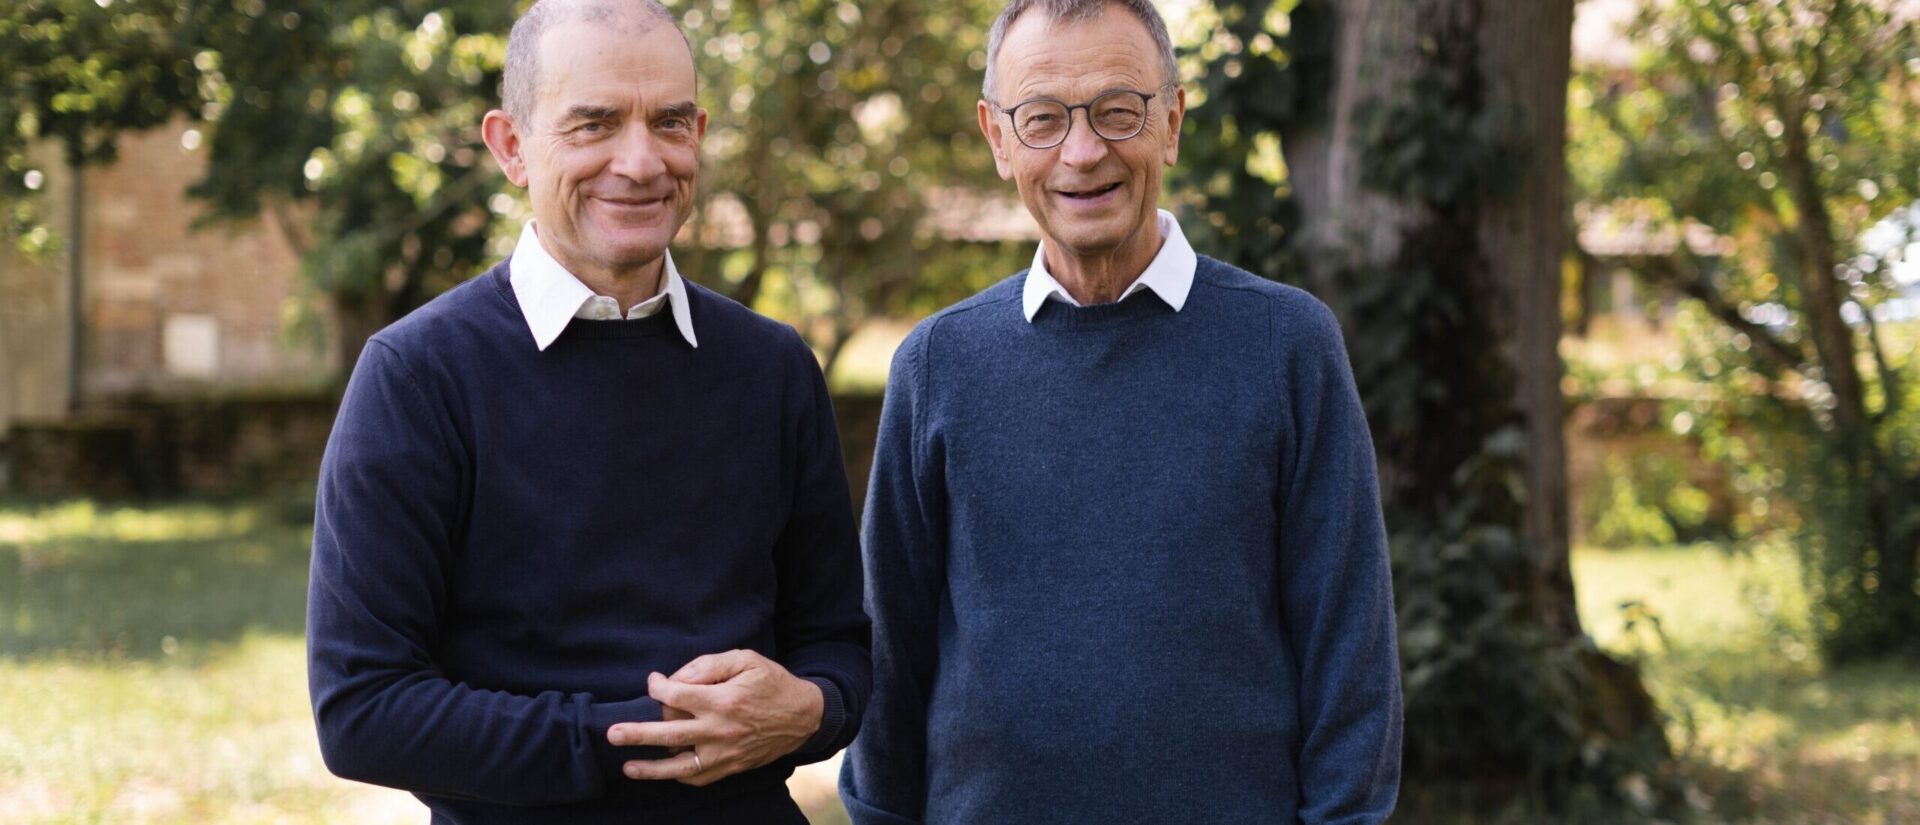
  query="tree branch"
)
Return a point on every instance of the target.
[
  {"x": 1665, "y": 269},
  {"x": 1890, "y": 383}
]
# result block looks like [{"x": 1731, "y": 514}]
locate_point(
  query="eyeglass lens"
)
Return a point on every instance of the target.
[{"x": 1114, "y": 116}]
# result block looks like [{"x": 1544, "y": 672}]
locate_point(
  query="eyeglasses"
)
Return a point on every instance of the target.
[{"x": 1043, "y": 123}]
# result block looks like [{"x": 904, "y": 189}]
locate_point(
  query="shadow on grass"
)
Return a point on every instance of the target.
[
  {"x": 81, "y": 580},
  {"x": 1764, "y": 733},
  {"x": 1772, "y": 740}
]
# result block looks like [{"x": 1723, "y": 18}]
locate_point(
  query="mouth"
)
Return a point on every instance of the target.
[
  {"x": 632, "y": 203},
  {"x": 1088, "y": 194}
]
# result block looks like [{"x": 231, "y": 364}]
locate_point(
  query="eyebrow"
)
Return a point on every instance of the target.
[
  {"x": 589, "y": 112},
  {"x": 685, "y": 109},
  {"x": 1154, "y": 92}
]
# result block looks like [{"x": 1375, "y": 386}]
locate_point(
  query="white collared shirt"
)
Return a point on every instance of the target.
[
  {"x": 550, "y": 296},
  {"x": 1169, "y": 275}
]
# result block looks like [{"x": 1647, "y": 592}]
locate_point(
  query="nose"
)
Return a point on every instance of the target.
[
  {"x": 637, "y": 156},
  {"x": 1082, "y": 147}
]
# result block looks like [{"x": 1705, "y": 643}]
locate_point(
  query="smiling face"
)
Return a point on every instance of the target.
[
  {"x": 1093, "y": 198},
  {"x": 610, "y": 150}
]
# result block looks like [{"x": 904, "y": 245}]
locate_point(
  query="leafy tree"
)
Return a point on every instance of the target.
[
  {"x": 79, "y": 73},
  {"x": 349, "y": 124},
  {"x": 1789, "y": 129},
  {"x": 352, "y": 127},
  {"x": 1403, "y": 160},
  {"x": 836, "y": 127}
]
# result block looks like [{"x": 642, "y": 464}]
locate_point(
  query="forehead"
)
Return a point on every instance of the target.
[
  {"x": 615, "y": 64},
  {"x": 1060, "y": 57}
]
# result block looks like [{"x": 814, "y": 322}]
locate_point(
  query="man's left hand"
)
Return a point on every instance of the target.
[{"x": 746, "y": 710}]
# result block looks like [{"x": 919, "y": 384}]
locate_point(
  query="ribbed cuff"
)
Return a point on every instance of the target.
[
  {"x": 611, "y": 759},
  {"x": 833, "y": 717}
]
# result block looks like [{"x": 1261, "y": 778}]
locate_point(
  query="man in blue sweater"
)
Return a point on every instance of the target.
[
  {"x": 1124, "y": 552},
  {"x": 584, "y": 550}
]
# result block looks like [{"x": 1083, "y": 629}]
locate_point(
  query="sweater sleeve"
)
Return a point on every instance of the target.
[
  {"x": 384, "y": 534},
  {"x": 1338, "y": 592},
  {"x": 821, "y": 633},
  {"x": 884, "y": 778}
]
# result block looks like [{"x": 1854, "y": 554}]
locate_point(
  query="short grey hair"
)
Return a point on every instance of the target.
[
  {"x": 1058, "y": 11},
  {"x": 520, "y": 82}
]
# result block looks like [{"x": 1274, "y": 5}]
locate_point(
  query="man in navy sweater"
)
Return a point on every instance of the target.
[
  {"x": 584, "y": 550},
  {"x": 1124, "y": 551}
]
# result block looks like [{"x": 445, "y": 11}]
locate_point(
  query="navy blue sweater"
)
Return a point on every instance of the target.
[
  {"x": 508, "y": 541},
  {"x": 1127, "y": 565}
]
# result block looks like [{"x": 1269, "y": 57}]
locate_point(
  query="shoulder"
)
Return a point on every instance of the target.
[
  {"x": 728, "y": 323},
  {"x": 976, "y": 318},
  {"x": 1295, "y": 313},
  {"x": 451, "y": 321}
]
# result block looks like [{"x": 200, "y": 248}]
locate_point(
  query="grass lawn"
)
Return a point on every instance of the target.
[
  {"x": 153, "y": 671},
  {"x": 151, "y": 661},
  {"x": 1764, "y": 733}
]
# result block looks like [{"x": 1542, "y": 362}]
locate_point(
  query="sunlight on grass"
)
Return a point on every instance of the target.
[
  {"x": 152, "y": 667},
  {"x": 1766, "y": 734},
  {"x": 225, "y": 740},
  {"x": 153, "y": 670},
  {"x": 85, "y": 520}
]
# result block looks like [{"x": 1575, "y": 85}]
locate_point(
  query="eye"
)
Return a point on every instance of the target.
[{"x": 591, "y": 127}]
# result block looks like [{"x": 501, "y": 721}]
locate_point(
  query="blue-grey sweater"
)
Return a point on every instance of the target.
[
  {"x": 508, "y": 541},
  {"x": 1127, "y": 565}
]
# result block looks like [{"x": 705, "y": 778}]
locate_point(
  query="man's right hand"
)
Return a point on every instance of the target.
[{"x": 723, "y": 714}]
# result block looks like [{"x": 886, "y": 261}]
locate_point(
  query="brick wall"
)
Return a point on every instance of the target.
[{"x": 148, "y": 270}]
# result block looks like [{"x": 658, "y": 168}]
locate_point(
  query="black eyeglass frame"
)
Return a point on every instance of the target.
[{"x": 1146, "y": 105}]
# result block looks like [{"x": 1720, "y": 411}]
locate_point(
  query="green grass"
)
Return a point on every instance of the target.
[
  {"x": 152, "y": 668},
  {"x": 1764, "y": 733}
]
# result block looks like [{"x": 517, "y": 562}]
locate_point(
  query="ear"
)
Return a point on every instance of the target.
[
  {"x": 502, "y": 137},
  {"x": 699, "y": 125},
  {"x": 997, "y": 138},
  {"x": 1176, "y": 113}
]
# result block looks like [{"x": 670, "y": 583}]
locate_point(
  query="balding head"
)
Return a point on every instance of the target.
[{"x": 520, "y": 83}]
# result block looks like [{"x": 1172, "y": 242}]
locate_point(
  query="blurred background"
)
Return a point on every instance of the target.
[{"x": 1631, "y": 288}]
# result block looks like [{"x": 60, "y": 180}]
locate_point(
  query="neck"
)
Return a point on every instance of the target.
[{"x": 1100, "y": 277}]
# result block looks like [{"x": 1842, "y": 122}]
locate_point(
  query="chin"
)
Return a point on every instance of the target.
[
  {"x": 1088, "y": 240},
  {"x": 636, "y": 253}
]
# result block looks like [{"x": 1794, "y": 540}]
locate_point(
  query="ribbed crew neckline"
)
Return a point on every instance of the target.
[{"x": 1062, "y": 315}]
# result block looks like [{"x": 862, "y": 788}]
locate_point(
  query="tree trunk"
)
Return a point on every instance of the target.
[
  {"x": 1525, "y": 58},
  {"x": 1486, "y": 265},
  {"x": 1343, "y": 223}
]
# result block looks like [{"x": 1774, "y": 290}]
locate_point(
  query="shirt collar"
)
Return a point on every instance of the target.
[
  {"x": 1169, "y": 275},
  {"x": 549, "y": 295}
]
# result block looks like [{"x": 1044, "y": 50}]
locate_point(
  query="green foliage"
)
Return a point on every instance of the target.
[
  {"x": 1426, "y": 147},
  {"x": 353, "y": 128},
  {"x": 1646, "y": 498},
  {"x": 836, "y": 129},
  {"x": 1255, "y": 68},
  {"x": 1789, "y": 131},
  {"x": 78, "y": 72}
]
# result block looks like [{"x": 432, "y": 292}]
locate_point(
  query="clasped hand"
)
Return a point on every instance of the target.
[{"x": 722, "y": 714}]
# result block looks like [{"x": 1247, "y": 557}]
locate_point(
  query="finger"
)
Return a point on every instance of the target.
[
  {"x": 715, "y": 668},
  {"x": 708, "y": 777},
  {"x": 678, "y": 766},
  {"x": 695, "y": 699},
  {"x": 675, "y": 734}
]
